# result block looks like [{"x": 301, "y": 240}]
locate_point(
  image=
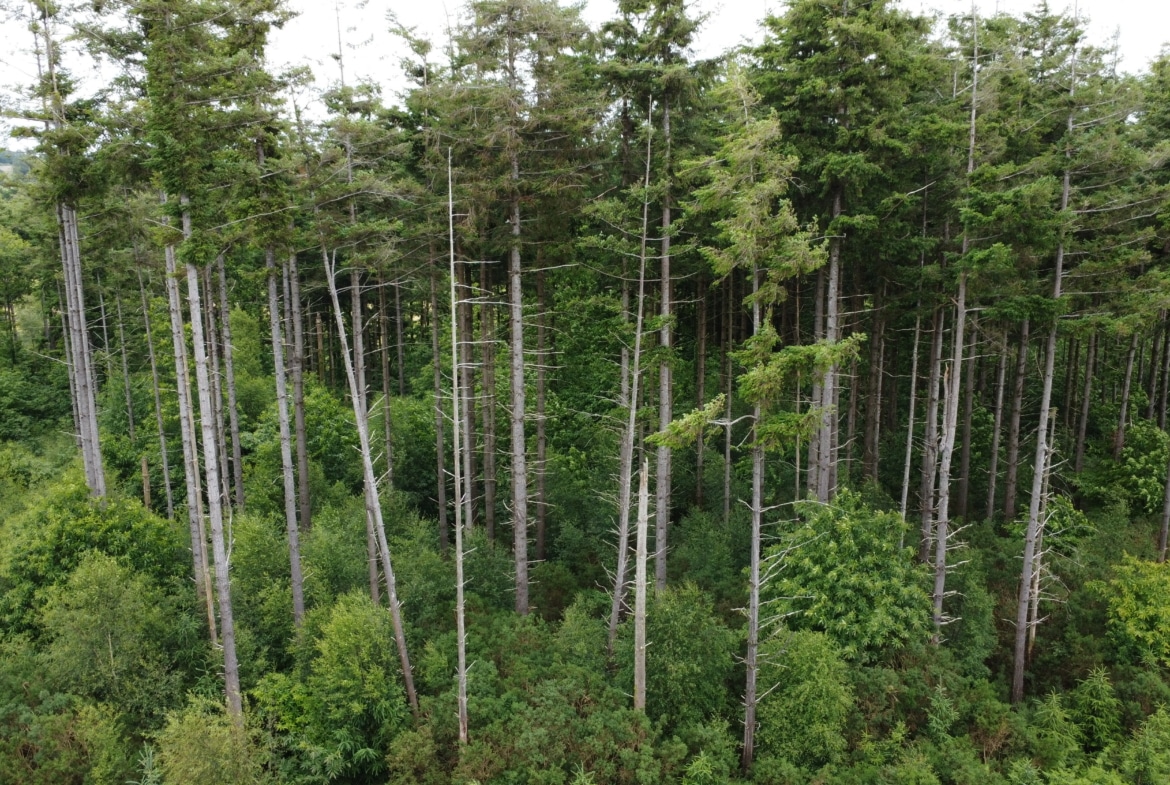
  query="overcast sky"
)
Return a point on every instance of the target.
[{"x": 371, "y": 53}]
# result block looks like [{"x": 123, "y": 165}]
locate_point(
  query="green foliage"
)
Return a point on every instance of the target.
[
  {"x": 1097, "y": 710},
  {"x": 339, "y": 714},
  {"x": 201, "y": 746},
  {"x": 806, "y": 698},
  {"x": 1146, "y": 758},
  {"x": 689, "y": 657},
  {"x": 1138, "y": 597},
  {"x": 841, "y": 572}
]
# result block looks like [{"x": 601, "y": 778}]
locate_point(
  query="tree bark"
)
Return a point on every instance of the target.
[
  {"x": 929, "y": 472},
  {"x": 1086, "y": 400},
  {"x": 230, "y": 378},
  {"x": 373, "y": 503},
  {"x": 488, "y": 409},
  {"x": 996, "y": 429},
  {"x": 304, "y": 499},
  {"x": 286, "y": 458},
  {"x": 440, "y": 438},
  {"x": 701, "y": 385},
  {"x": 753, "y": 629},
  {"x": 965, "y": 450},
  {"x": 950, "y": 422},
  {"x": 1126, "y": 387},
  {"x": 519, "y": 452},
  {"x": 158, "y": 415},
  {"x": 910, "y": 421},
  {"x": 1010, "y": 482},
  {"x": 662, "y": 476},
  {"x": 640, "y": 590},
  {"x": 541, "y": 437}
]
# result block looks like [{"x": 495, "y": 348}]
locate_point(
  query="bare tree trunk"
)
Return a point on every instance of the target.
[
  {"x": 910, "y": 423},
  {"x": 298, "y": 379},
  {"x": 216, "y": 390},
  {"x": 286, "y": 458},
  {"x": 996, "y": 429},
  {"x": 930, "y": 442},
  {"x": 229, "y": 368},
  {"x": 950, "y": 423},
  {"x": 460, "y": 488},
  {"x": 701, "y": 385},
  {"x": 640, "y": 590},
  {"x": 80, "y": 356},
  {"x": 729, "y": 382},
  {"x": 399, "y": 340},
  {"x": 158, "y": 416},
  {"x": 1165, "y": 386},
  {"x": 1010, "y": 482},
  {"x": 965, "y": 450},
  {"x": 541, "y": 440},
  {"x": 662, "y": 475},
  {"x": 384, "y": 356},
  {"x": 467, "y": 389},
  {"x": 373, "y": 503},
  {"x": 1086, "y": 399},
  {"x": 440, "y": 439},
  {"x": 1031, "y": 535},
  {"x": 1126, "y": 387},
  {"x": 817, "y": 398},
  {"x": 826, "y": 450},
  {"x": 231, "y": 667},
  {"x": 519, "y": 452},
  {"x": 190, "y": 448},
  {"x": 753, "y": 629},
  {"x": 488, "y": 409},
  {"x": 631, "y": 387},
  {"x": 873, "y": 406}
]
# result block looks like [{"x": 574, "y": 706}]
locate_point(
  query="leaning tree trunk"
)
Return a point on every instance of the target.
[
  {"x": 286, "y": 458},
  {"x": 370, "y": 481}
]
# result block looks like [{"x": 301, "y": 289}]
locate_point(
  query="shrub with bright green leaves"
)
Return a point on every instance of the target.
[
  {"x": 841, "y": 572},
  {"x": 1097, "y": 710},
  {"x": 49, "y": 539},
  {"x": 1138, "y": 597},
  {"x": 689, "y": 657},
  {"x": 200, "y": 745},
  {"x": 806, "y": 698},
  {"x": 337, "y": 717}
]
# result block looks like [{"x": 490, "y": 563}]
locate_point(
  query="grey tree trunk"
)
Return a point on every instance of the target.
[
  {"x": 227, "y": 629},
  {"x": 440, "y": 438},
  {"x": 826, "y": 452},
  {"x": 1086, "y": 399},
  {"x": 1011, "y": 481},
  {"x": 662, "y": 478},
  {"x": 1126, "y": 387},
  {"x": 286, "y": 458},
  {"x": 910, "y": 422},
  {"x": 304, "y": 499},
  {"x": 930, "y": 442},
  {"x": 230, "y": 379},
  {"x": 950, "y": 424},
  {"x": 190, "y": 448},
  {"x": 488, "y": 409},
  {"x": 373, "y": 502},
  {"x": 158, "y": 415},
  {"x": 541, "y": 439},
  {"x": 384, "y": 357},
  {"x": 751, "y": 664},
  {"x": 519, "y": 452},
  {"x": 640, "y": 590},
  {"x": 996, "y": 429}
]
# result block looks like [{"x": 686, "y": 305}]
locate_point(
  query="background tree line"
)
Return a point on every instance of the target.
[{"x": 814, "y": 396}]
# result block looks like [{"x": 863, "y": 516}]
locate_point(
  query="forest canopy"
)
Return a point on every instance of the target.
[{"x": 594, "y": 414}]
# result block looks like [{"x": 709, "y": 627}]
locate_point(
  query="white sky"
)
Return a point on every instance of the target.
[{"x": 371, "y": 53}]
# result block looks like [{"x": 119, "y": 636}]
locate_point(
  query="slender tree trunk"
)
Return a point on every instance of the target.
[
  {"x": 1020, "y": 656},
  {"x": 541, "y": 441},
  {"x": 1010, "y": 481},
  {"x": 930, "y": 443},
  {"x": 304, "y": 499},
  {"x": 227, "y": 629},
  {"x": 158, "y": 415},
  {"x": 440, "y": 438},
  {"x": 950, "y": 424},
  {"x": 826, "y": 452},
  {"x": 910, "y": 421},
  {"x": 467, "y": 389},
  {"x": 965, "y": 450},
  {"x": 662, "y": 476},
  {"x": 701, "y": 385},
  {"x": 216, "y": 377},
  {"x": 1126, "y": 387},
  {"x": 816, "y": 400},
  {"x": 996, "y": 429},
  {"x": 80, "y": 355},
  {"x": 632, "y": 391},
  {"x": 1164, "y": 388},
  {"x": 190, "y": 449},
  {"x": 233, "y": 408},
  {"x": 519, "y": 453},
  {"x": 873, "y": 405},
  {"x": 729, "y": 382},
  {"x": 384, "y": 356},
  {"x": 400, "y": 340},
  {"x": 488, "y": 409},
  {"x": 286, "y": 457},
  {"x": 640, "y": 590},
  {"x": 373, "y": 503},
  {"x": 1164, "y": 533},
  {"x": 751, "y": 664},
  {"x": 1086, "y": 400}
]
